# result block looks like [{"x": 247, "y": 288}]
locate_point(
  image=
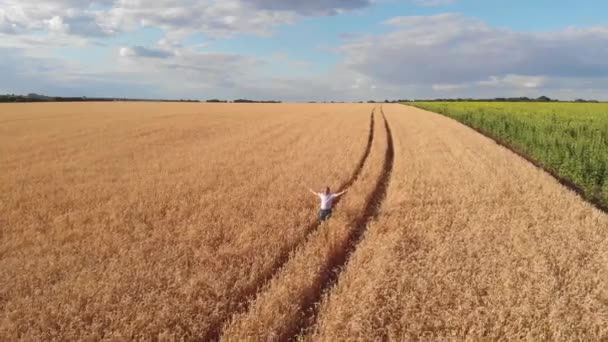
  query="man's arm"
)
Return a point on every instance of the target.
[
  {"x": 313, "y": 192},
  {"x": 341, "y": 193}
]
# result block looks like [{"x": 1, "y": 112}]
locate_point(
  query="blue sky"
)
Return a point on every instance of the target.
[{"x": 344, "y": 50}]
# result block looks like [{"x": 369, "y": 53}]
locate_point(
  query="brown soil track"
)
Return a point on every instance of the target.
[
  {"x": 284, "y": 310},
  {"x": 371, "y": 212},
  {"x": 248, "y": 295}
]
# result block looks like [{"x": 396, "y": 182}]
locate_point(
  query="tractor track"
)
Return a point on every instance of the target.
[
  {"x": 245, "y": 297},
  {"x": 337, "y": 264}
]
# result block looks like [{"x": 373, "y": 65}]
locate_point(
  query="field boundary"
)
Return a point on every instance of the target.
[
  {"x": 371, "y": 211},
  {"x": 570, "y": 185},
  {"x": 246, "y": 296}
]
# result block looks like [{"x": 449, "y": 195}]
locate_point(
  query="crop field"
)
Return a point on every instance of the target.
[
  {"x": 570, "y": 139},
  {"x": 160, "y": 221}
]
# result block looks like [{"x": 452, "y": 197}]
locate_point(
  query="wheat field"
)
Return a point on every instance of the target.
[
  {"x": 140, "y": 220},
  {"x": 473, "y": 243},
  {"x": 160, "y": 221}
]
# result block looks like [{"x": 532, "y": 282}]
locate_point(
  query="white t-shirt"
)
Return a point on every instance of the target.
[{"x": 327, "y": 201}]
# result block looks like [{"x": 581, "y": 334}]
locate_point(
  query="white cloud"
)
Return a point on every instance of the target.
[
  {"x": 56, "y": 24},
  {"x": 422, "y": 56},
  {"x": 448, "y": 87},
  {"x": 178, "y": 18},
  {"x": 36, "y": 45},
  {"x": 450, "y": 52},
  {"x": 516, "y": 81},
  {"x": 72, "y": 17},
  {"x": 213, "y": 18},
  {"x": 309, "y": 7},
  {"x": 141, "y": 51},
  {"x": 508, "y": 83}
]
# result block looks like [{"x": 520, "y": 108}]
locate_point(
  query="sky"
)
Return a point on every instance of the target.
[{"x": 305, "y": 50}]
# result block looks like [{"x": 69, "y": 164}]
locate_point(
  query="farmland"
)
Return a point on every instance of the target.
[
  {"x": 569, "y": 139},
  {"x": 193, "y": 221},
  {"x": 472, "y": 242},
  {"x": 150, "y": 219}
]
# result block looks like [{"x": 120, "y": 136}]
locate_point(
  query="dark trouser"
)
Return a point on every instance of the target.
[{"x": 324, "y": 214}]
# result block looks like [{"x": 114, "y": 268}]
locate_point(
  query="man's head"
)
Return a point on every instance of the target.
[{"x": 327, "y": 191}]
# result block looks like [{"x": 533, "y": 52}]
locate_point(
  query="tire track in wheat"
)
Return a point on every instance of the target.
[
  {"x": 371, "y": 212},
  {"x": 288, "y": 304},
  {"x": 245, "y": 297}
]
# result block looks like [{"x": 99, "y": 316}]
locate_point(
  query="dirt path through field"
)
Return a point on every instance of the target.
[
  {"x": 287, "y": 305},
  {"x": 370, "y": 212},
  {"x": 248, "y": 294},
  {"x": 473, "y": 243}
]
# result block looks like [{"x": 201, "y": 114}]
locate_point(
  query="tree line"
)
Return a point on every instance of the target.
[
  {"x": 241, "y": 101},
  {"x": 496, "y": 99},
  {"x": 42, "y": 98},
  {"x": 499, "y": 99},
  {"x": 12, "y": 98}
]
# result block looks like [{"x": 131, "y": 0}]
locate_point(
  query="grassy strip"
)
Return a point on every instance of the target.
[{"x": 569, "y": 140}]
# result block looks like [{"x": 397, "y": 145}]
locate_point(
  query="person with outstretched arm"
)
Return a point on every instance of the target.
[{"x": 327, "y": 202}]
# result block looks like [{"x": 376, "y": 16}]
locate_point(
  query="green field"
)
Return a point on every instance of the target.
[{"x": 569, "y": 139}]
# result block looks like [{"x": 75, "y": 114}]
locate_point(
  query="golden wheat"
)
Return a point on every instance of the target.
[
  {"x": 280, "y": 310},
  {"x": 192, "y": 221},
  {"x": 145, "y": 220},
  {"x": 473, "y": 243}
]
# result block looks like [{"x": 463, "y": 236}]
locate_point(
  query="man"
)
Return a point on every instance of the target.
[{"x": 327, "y": 202}]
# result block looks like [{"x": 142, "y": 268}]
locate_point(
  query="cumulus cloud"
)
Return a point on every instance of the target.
[
  {"x": 66, "y": 16},
  {"x": 7, "y": 25},
  {"x": 23, "y": 74},
  {"x": 178, "y": 18},
  {"x": 185, "y": 69},
  {"x": 189, "y": 74},
  {"x": 421, "y": 56},
  {"x": 453, "y": 49},
  {"x": 310, "y": 7},
  {"x": 141, "y": 51},
  {"x": 515, "y": 81}
]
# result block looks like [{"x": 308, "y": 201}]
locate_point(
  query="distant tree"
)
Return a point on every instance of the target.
[{"x": 252, "y": 101}]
